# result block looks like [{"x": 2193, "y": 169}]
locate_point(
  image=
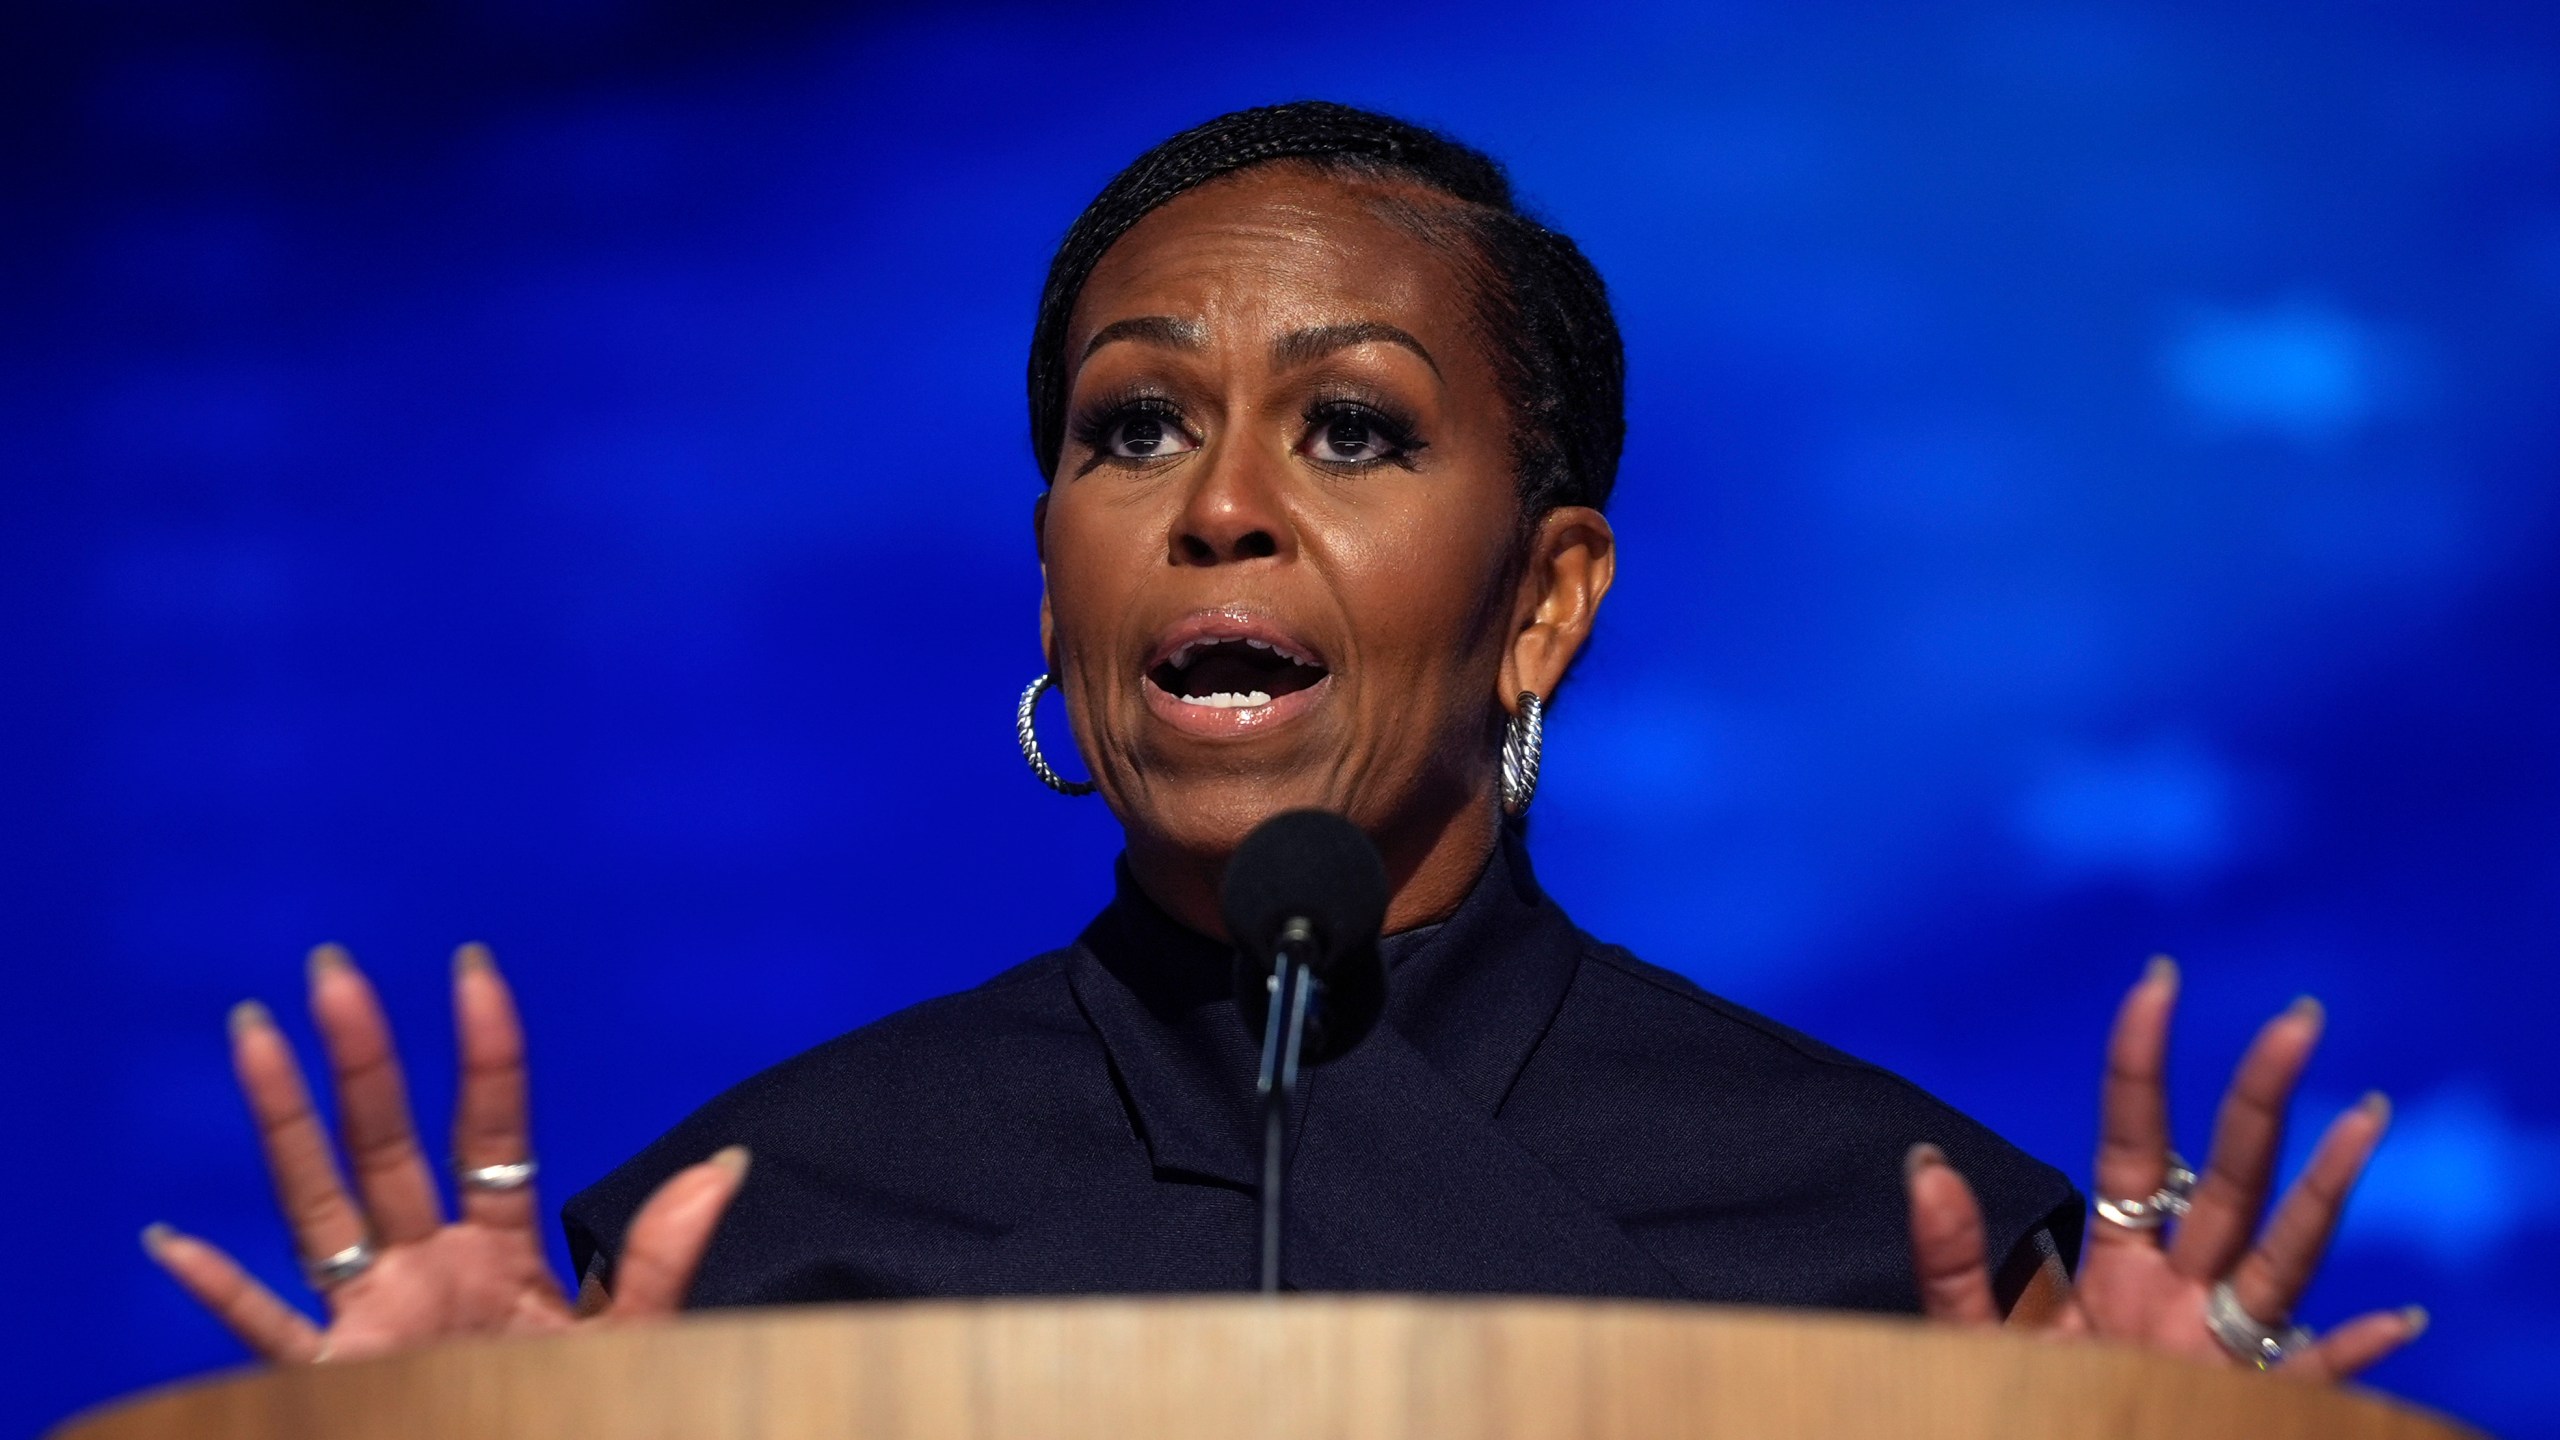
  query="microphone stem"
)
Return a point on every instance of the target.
[{"x": 1292, "y": 990}]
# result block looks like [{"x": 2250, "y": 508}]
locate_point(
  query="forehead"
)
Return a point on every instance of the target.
[{"x": 1280, "y": 246}]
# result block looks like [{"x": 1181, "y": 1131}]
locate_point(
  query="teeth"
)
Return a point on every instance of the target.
[
  {"x": 1227, "y": 700},
  {"x": 1181, "y": 659}
]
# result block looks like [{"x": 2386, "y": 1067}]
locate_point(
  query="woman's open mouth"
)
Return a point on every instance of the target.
[
  {"x": 1223, "y": 675},
  {"x": 1233, "y": 674}
]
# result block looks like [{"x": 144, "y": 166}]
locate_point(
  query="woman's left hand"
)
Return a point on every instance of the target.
[{"x": 2147, "y": 1285}]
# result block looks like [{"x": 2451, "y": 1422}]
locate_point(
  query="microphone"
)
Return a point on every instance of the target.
[
  {"x": 1304, "y": 898},
  {"x": 1314, "y": 870}
]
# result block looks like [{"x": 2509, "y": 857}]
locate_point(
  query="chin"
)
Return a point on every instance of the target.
[{"x": 1211, "y": 814}]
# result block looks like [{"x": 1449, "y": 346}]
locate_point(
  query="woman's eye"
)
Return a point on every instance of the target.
[
  {"x": 1350, "y": 438},
  {"x": 1143, "y": 436}
]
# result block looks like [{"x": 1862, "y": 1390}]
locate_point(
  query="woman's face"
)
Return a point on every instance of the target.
[{"x": 1283, "y": 553}]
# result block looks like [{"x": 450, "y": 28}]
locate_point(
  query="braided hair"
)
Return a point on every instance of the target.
[{"x": 1542, "y": 307}]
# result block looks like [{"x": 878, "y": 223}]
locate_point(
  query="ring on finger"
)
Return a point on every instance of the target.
[
  {"x": 497, "y": 1179},
  {"x": 2248, "y": 1338},
  {"x": 328, "y": 1272},
  {"x": 2161, "y": 1205}
]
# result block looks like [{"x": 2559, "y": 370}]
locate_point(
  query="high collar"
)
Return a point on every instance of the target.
[{"x": 1471, "y": 995}]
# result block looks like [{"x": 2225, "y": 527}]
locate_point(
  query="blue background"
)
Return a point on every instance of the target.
[{"x": 554, "y": 473}]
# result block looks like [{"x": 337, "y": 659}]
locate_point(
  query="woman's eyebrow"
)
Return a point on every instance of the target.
[
  {"x": 1153, "y": 329},
  {"x": 1300, "y": 346}
]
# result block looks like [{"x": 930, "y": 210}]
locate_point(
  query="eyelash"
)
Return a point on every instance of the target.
[
  {"x": 1094, "y": 425},
  {"x": 1392, "y": 425}
]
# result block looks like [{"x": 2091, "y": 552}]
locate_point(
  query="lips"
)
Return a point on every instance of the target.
[{"x": 1229, "y": 672}]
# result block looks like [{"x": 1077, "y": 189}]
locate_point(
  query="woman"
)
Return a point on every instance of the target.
[{"x": 1329, "y": 427}]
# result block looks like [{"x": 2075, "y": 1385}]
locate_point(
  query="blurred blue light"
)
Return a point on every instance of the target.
[
  {"x": 2161, "y": 812},
  {"x": 2300, "y": 370},
  {"x": 2458, "y": 1181}
]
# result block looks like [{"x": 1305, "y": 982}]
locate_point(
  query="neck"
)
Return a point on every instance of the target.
[{"x": 1432, "y": 862}]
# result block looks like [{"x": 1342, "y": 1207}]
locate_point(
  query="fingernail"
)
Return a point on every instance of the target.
[
  {"x": 2415, "y": 1317},
  {"x": 734, "y": 1160},
  {"x": 248, "y": 1015},
  {"x": 325, "y": 958},
  {"x": 1920, "y": 1157},
  {"x": 2309, "y": 1008},
  {"x": 469, "y": 956},
  {"x": 2161, "y": 971},
  {"x": 155, "y": 1235},
  {"x": 2379, "y": 1104}
]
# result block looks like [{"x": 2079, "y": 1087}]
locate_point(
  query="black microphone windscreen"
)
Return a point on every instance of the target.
[
  {"x": 1315, "y": 866},
  {"x": 1305, "y": 864}
]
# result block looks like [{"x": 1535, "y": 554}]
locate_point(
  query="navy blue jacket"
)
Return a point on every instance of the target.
[{"x": 1539, "y": 1113}]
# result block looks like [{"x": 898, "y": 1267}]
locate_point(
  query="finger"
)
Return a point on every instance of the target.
[
  {"x": 2232, "y": 1192},
  {"x": 315, "y": 1204},
  {"x": 668, "y": 1236},
  {"x": 2356, "y": 1346},
  {"x": 1947, "y": 1254},
  {"x": 2133, "y": 1113},
  {"x": 2275, "y": 1273},
  {"x": 489, "y": 1121},
  {"x": 248, "y": 1309},
  {"x": 373, "y": 1102}
]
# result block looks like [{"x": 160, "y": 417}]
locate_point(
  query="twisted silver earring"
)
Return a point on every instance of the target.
[
  {"x": 1523, "y": 740},
  {"x": 1031, "y": 742}
]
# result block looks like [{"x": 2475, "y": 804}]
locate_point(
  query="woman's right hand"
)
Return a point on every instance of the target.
[{"x": 431, "y": 1278}]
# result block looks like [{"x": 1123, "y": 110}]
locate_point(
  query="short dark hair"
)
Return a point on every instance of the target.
[{"x": 1545, "y": 312}]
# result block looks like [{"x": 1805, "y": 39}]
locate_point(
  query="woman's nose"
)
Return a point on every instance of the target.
[{"x": 1230, "y": 513}]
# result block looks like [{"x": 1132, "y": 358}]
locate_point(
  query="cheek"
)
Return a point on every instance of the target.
[
  {"x": 1090, "y": 564},
  {"x": 1426, "y": 591}
]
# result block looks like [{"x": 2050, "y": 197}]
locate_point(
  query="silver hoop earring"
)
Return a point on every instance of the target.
[
  {"x": 1031, "y": 742},
  {"x": 1522, "y": 742}
]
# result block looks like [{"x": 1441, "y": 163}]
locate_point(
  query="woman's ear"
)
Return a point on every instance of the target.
[{"x": 1572, "y": 559}]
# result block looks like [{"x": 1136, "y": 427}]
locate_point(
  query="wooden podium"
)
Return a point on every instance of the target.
[{"x": 1380, "y": 1368}]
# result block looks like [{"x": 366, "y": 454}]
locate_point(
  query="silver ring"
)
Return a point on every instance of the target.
[
  {"x": 2245, "y": 1336},
  {"x": 2161, "y": 1205},
  {"x": 331, "y": 1271},
  {"x": 498, "y": 1179}
]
